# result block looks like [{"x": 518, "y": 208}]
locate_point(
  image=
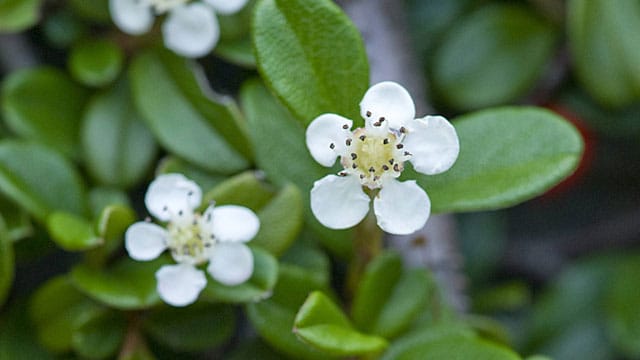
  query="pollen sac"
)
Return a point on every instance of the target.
[
  {"x": 374, "y": 157},
  {"x": 190, "y": 242}
]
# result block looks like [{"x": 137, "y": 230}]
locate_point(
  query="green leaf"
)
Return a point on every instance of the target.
[
  {"x": 388, "y": 299},
  {"x": 58, "y": 309},
  {"x": 100, "y": 337},
  {"x": 43, "y": 104},
  {"x": 244, "y": 189},
  {"x": 205, "y": 179},
  {"x": 492, "y": 57},
  {"x": 194, "y": 328},
  {"x": 258, "y": 287},
  {"x": 16, "y": 220},
  {"x": 127, "y": 285},
  {"x": 603, "y": 36},
  {"x": 72, "y": 232},
  {"x": 96, "y": 62},
  {"x": 184, "y": 119},
  {"x": 311, "y": 56},
  {"x": 322, "y": 324},
  {"x": 114, "y": 221},
  {"x": 102, "y": 197},
  {"x": 18, "y": 15},
  {"x": 507, "y": 155},
  {"x": 118, "y": 148},
  {"x": 7, "y": 262},
  {"x": 425, "y": 335},
  {"x": 18, "y": 335},
  {"x": 621, "y": 301},
  {"x": 96, "y": 10},
  {"x": 286, "y": 160},
  {"x": 253, "y": 349},
  {"x": 455, "y": 348},
  {"x": 39, "y": 180},
  {"x": 280, "y": 221}
]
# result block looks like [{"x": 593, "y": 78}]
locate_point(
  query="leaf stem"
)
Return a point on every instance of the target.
[{"x": 367, "y": 245}]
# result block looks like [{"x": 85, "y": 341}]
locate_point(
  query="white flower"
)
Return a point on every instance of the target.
[
  {"x": 217, "y": 237},
  {"x": 374, "y": 157},
  {"x": 191, "y": 28}
]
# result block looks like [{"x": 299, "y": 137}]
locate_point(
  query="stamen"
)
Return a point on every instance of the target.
[
  {"x": 354, "y": 156},
  {"x": 381, "y": 119},
  {"x": 342, "y": 173},
  {"x": 403, "y": 129},
  {"x": 391, "y": 161},
  {"x": 180, "y": 212},
  {"x": 345, "y": 126},
  {"x": 362, "y": 137},
  {"x": 371, "y": 169},
  {"x": 385, "y": 167},
  {"x": 406, "y": 153},
  {"x": 165, "y": 208},
  {"x": 368, "y": 113},
  {"x": 354, "y": 165},
  {"x": 376, "y": 178},
  {"x": 190, "y": 193},
  {"x": 399, "y": 146},
  {"x": 377, "y": 123},
  {"x": 348, "y": 142},
  {"x": 361, "y": 176},
  {"x": 332, "y": 146},
  {"x": 385, "y": 141},
  {"x": 396, "y": 167}
]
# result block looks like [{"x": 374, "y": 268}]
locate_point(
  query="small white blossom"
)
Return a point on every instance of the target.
[
  {"x": 217, "y": 236},
  {"x": 191, "y": 28},
  {"x": 374, "y": 157}
]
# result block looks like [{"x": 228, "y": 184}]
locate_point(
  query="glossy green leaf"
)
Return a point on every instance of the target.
[
  {"x": 388, "y": 299},
  {"x": 45, "y": 105},
  {"x": 492, "y": 57},
  {"x": 258, "y": 287},
  {"x": 114, "y": 221},
  {"x": 18, "y": 15},
  {"x": 311, "y": 56},
  {"x": 100, "y": 337},
  {"x": 280, "y": 221},
  {"x": 507, "y": 155},
  {"x": 603, "y": 36},
  {"x": 118, "y": 148},
  {"x": 96, "y": 62},
  {"x": 7, "y": 262},
  {"x": 322, "y": 324},
  {"x": 15, "y": 219},
  {"x": 184, "y": 117},
  {"x": 126, "y": 285},
  {"x": 72, "y": 232},
  {"x": 39, "y": 179},
  {"x": 103, "y": 197},
  {"x": 244, "y": 189},
  {"x": 58, "y": 309},
  {"x": 194, "y": 328},
  {"x": 424, "y": 335},
  {"x": 286, "y": 160}
]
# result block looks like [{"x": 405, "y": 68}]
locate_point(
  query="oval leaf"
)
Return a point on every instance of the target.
[
  {"x": 100, "y": 337},
  {"x": 311, "y": 56},
  {"x": 72, "y": 232},
  {"x": 280, "y": 221},
  {"x": 507, "y": 155},
  {"x": 18, "y": 15},
  {"x": 7, "y": 262},
  {"x": 96, "y": 62},
  {"x": 455, "y": 347}
]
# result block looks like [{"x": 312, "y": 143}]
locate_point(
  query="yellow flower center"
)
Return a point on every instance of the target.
[{"x": 190, "y": 242}]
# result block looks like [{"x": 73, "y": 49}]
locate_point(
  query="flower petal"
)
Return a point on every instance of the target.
[
  {"x": 390, "y": 101},
  {"x": 401, "y": 207},
  {"x": 231, "y": 263},
  {"x": 325, "y": 130},
  {"x": 338, "y": 202},
  {"x": 433, "y": 141},
  {"x": 170, "y": 193},
  {"x": 131, "y": 16},
  {"x": 232, "y": 223},
  {"x": 180, "y": 285},
  {"x": 191, "y": 30},
  {"x": 145, "y": 241},
  {"x": 226, "y": 7}
]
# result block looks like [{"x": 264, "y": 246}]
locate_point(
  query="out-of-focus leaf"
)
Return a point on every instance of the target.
[
  {"x": 287, "y": 159},
  {"x": 507, "y": 155},
  {"x": 16, "y": 219},
  {"x": 118, "y": 148},
  {"x": 604, "y": 37},
  {"x": 18, "y": 15},
  {"x": 72, "y": 232},
  {"x": 205, "y": 179},
  {"x": 39, "y": 180},
  {"x": 425, "y": 335},
  {"x": 621, "y": 302},
  {"x": 235, "y": 42},
  {"x": 95, "y": 10},
  {"x": 253, "y": 349},
  {"x": 244, "y": 189},
  {"x": 18, "y": 336},
  {"x": 492, "y": 57},
  {"x": 127, "y": 285},
  {"x": 194, "y": 328},
  {"x": 7, "y": 262},
  {"x": 311, "y": 56},
  {"x": 258, "y": 287},
  {"x": 62, "y": 28},
  {"x": 100, "y": 337},
  {"x": 184, "y": 119},
  {"x": 96, "y": 62},
  {"x": 322, "y": 324},
  {"x": 45, "y": 105},
  {"x": 102, "y": 197}
]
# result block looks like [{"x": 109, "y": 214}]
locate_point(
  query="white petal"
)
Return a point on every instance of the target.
[
  {"x": 170, "y": 193},
  {"x": 145, "y": 241},
  {"x": 231, "y": 263},
  {"x": 233, "y": 223},
  {"x": 226, "y": 7},
  {"x": 433, "y": 141},
  {"x": 401, "y": 207},
  {"x": 131, "y": 16},
  {"x": 389, "y": 100},
  {"x": 338, "y": 202},
  {"x": 191, "y": 30},
  {"x": 325, "y": 130},
  {"x": 180, "y": 285}
]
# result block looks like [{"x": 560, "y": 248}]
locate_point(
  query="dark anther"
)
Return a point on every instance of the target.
[
  {"x": 368, "y": 113},
  {"x": 332, "y": 146},
  {"x": 212, "y": 236},
  {"x": 396, "y": 167},
  {"x": 165, "y": 208},
  {"x": 385, "y": 167},
  {"x": 371, "y": 169},
  {"x": 190, "y": 193},
  {"x": 342, "y": 173},
  {"x": 399, "y": 146},
  {"x": 354, "y": 156},
  {"x": 361, "y": 176},
  {"x": 362, "y": 137},
  {"x": 391, "y": 161},
  {"x": 403, "y": 129},
  {"x": 180, "y": 213},
  {"x": 406, "y": 153},
  {"x": 345, "y": 126},
  {"x": 377, "y": 123},
  {"x": 376, "y": 178},
  {"x": 208, "y": 217},
  {"x": 385, "y": 141},
  {"x": 348, "y": 141},
  {"x": 382, "y": 119},
  {"x": 354, "y": 165}
]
